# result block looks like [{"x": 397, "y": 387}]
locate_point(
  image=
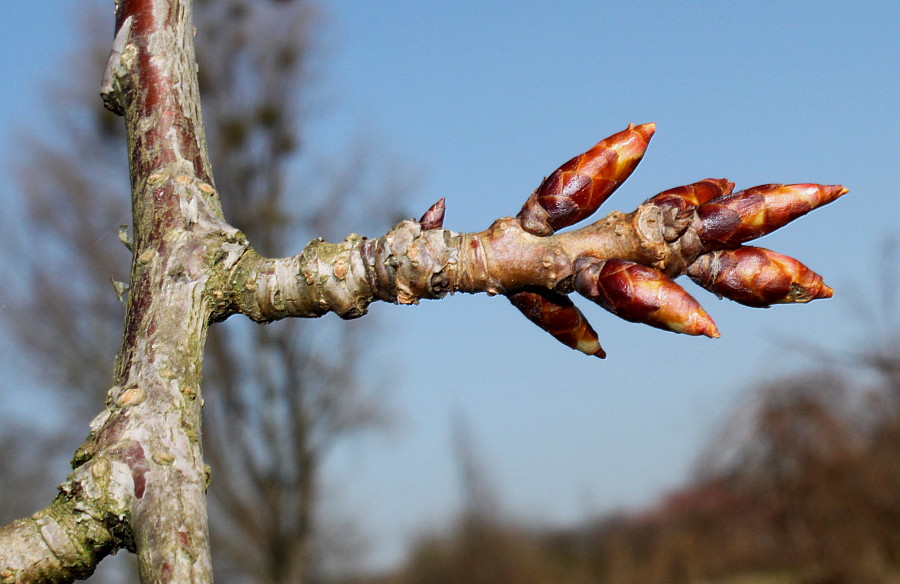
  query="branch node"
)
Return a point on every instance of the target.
[
  {"x": 125, "y": 239},
  {"x": 122, "y": 289}
]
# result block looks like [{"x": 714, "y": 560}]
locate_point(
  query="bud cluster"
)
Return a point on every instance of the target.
[{"x": 719, "y": 222}]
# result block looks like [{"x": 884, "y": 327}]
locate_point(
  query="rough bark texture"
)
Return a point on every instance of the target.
[
  {"x": 139, "y": 480},
  {"x": 64, "y": 541},
  {"x": 141, "y": 467},
  {"x": 154, "y": 424}
]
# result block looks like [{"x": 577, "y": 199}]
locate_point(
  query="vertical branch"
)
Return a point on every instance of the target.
[{"x": 154, "y": 416}]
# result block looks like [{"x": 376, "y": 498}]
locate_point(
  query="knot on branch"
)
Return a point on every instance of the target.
[
  {"x": 664, "y": 235},
  {"x": 411, "y": 263}
]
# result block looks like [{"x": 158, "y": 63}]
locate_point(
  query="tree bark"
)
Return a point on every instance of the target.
[
  {"x": 140, "y": 474},
  {"x": 411, "y": 263}
]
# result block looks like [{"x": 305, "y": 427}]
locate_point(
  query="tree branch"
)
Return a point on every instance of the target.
[
  {"x": 624, "y": 262},
  {"x": 61, "y": 543},
  {"x": 411, "y": 264},
  {"x": 154, "y": 423},
  {"x": 145, "y": 446}
]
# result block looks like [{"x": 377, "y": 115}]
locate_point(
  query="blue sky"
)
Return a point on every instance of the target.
[{"x": 481, "y": 100}]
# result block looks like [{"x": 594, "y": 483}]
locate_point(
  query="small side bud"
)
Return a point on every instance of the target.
[
  {"x": 757, "y": 277},
  {"x": 434, "y": 216},
  {"x": 678, "y": 204},
  {"x": 692, "y": 195},
  {"x": 122, "y": 289},
  {"x": 557, "y": 315},
  {"x": 637, "y": 293},
  {"x": 123, "y": 237},
  {"x": 731, "y": 220},
  {"x": 576, "y": 189}
]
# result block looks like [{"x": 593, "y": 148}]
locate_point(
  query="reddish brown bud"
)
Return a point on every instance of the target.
[
  {"x": 757, "y": 277},
  {"x": 557, "y": 315},
  {"x": 733, "y": 219},
  {"x": 694, "y": 194},
  {"x": 577, "y": 188},
  {"x": 640, "y": 294},
  {"x": 434, "y": 216}
]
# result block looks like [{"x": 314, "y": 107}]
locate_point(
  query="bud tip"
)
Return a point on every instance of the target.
[
  {"x": 434, "y": 216},
  {"x": 702, "y": 324},
  {"x": 591, "y": 347},
  {"x": 645, "y": 130}
]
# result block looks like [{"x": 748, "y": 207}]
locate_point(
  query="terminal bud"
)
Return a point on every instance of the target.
[{"x": 731, "y": 220}]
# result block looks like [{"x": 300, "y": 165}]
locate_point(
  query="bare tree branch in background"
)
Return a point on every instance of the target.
[
  {"x": 278, "y": 397},
  {"x": 25, "y": 461},
  {"x": 481, "y": 545},
  {"x": 823, "y": 468}
]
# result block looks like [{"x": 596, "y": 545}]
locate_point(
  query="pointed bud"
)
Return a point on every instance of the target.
[
  {"x": 757, "y": 277},
  {"x": 557, "y": 315},
  {"x": 577, "y": 188},
  {"x": 434, "y": 216},
  {"x": 733, "y": 219},
  {"x": 640, "y": 294},
  {"x": 694, "y": 194}
]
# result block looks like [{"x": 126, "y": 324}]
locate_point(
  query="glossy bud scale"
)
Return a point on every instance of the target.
[
  {"x": 433, "y": 218},
  {"x": 640, "y": 294},
  {"x": 557, "y": 315},
  {"x": 577, "y": 188},
  {"x": 693, "y": 194},
  {"x": 733, "y": 219},
  {"x": 757, "y": 277}
]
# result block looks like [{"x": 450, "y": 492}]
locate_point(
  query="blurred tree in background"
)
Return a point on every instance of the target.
[{"x": 278, "y": 397}]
